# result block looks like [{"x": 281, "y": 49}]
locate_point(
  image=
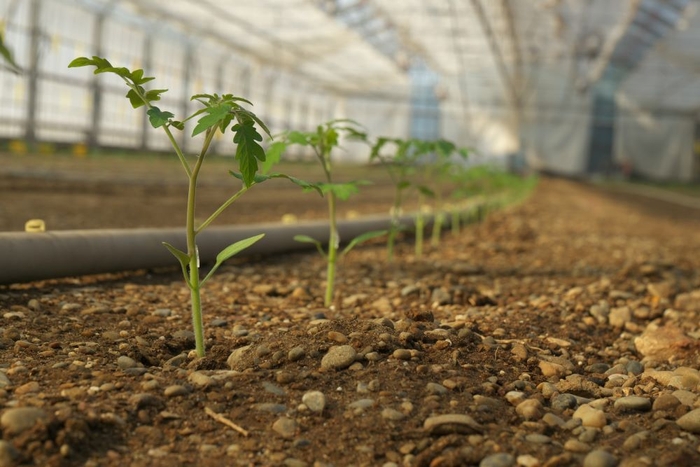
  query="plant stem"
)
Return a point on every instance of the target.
[
  {"x": 221, "y": 208},
  {"x": 333, "y": 243},
  {"x": 393, "y": 229},
  {"x": 420, "y": 224},
  {"x": 197, "y": 320}
]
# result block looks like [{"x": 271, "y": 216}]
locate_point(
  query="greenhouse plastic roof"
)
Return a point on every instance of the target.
[{"x": 490, "y": 51}]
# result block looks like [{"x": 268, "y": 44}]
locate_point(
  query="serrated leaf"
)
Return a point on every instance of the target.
[
  {"x": 230, "y": 251},
  {"x": 157, "y": 117},
  {"x": 248, "y": 150},
  {"x": 307, "y": 239},
  {"x": 182, "y": 257},
  {"x": 213, "y": 116},
  {"x": 121, "y": 71},
  {"x": 259, "y": 178},
  {"x": 362, "y": 239}
]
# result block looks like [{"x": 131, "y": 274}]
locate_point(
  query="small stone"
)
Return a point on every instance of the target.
[
  {"x": 176, "y": 390},
  {"x": 34, "y": 305},
  {"x": 530, "y": 409},
  {"x": 314, "y": 400},
  {"x": 574, "y": 445},
  {"x": 526, "y": 460},
  {"x": 562, "y": 402},
  {"x": 410, "y": 290},
  {"x": 17, "y": 420},
  {"x": 125, "y": 362},
  {"x": 599, "y": 458},
  {"x": 200, "y": 380},
  {"x": 145, "y": 400},
  {"x": 633, "y": 403},
  {"x": 690, "y": 421},
  {"x": 618, "y": 317},
  {"x": 401, "y": 354},
  {"x": 393, "y": 415},
  {"x": 285, "y": 427},
  {"x": 451, "y": 423},
  {"x": 8, "y": 454},
  {"x": 300, "y": 293},
  {"x": 551, "y": 369},
  {"x": 590, "y": 416},
  {"x": 519, "y": 351},
  {"x": 666, "y": 402},
  {"x": 515, "y": 397},
  {"x": 4, "y": 380},
  {"x": 270, "y": 407},
  {"x": 236, "y": 359},
  {"x": 665, "y": 342},
  {"x": 440, "y": 297},
  {"x": 382, "y": 305},
  {"x": 437, "y": 389},
  {"x": 339, "y": 357},
  {"x": 273, "y": 389},
  {"x": 296, "y": 354},
  {"x": 501, "y": 459},
  {"x": 27, "y": 388},
  {"x": 361, "y": 404},
  {"x": 338, "y": 337}
]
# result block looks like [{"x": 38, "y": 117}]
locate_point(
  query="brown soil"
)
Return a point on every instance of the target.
[{"x": 464, "y": 330}]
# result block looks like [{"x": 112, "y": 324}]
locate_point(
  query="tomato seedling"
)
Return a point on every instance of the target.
[
  {"x": 323, "y": 141},
  {"x": 218, "y": 113}
]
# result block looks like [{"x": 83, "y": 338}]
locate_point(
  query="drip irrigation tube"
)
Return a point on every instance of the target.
[{"x": 32, "y": 256}]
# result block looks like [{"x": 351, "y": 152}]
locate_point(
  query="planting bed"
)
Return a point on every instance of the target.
[{"x": 561, "y": 332}]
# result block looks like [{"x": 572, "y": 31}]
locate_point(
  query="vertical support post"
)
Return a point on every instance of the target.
[
  {"x": 186, "y": 79},
  {"x": 93, "y": 133},
  {"x": 147, "y": 64},
  {"x": 33, "y": 71}
]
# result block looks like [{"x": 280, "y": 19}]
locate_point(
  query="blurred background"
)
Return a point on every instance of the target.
[{"x": 571, "y": 87}]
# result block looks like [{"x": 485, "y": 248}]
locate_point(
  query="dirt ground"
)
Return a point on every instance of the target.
[{"x": 561, "y": 332}]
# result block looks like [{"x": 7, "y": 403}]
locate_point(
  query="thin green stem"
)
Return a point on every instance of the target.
[
  {"x": 394, "y": 228},
  {"x": 333, "y": 244},
  {"x": 420, "y": 226},
  {"x": 222, "y": 208}
]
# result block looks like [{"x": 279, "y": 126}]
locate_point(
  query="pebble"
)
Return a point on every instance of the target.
[
  {"x": 392, "y": 414},
  {"x": 339, "y": 357},
  {"x": 4, "y": 380},
  {"x": 125, "y": 362},
  {"x": 618, "y": 317},
  {"x": 590, "y": 416},
  {"x": 270, "y": 407},
  {"x": 633, "y": 403},
  {"x": 201, "y": 380},
  {"x": 401, "y": 354},
  {"x": 451, "y": 423},
  {"x": 574, "y": 445},
  {"x": 235, "y": 360},
  {"x": 435, "y": 388},
  {"x": 296, "y": 354},
  {"x": 562, "y": 402},
  {"x": 690, "y": 421},
  {"x": 285, "y": 427},
  {"x": 501, "y": 459},
  {"x": 17, "y": 420},
  {"x": 273, "y": 389},
  {"x": 361, "y": 404},
  {"x": 176, "y": 390},
  {"x": 599, "y": 458},
  {"x": 666, "y": 402},
  {"x": 530, "y": 409},
  {"x": 314, "y": 400},
  {"x": 8, "y": 454}
]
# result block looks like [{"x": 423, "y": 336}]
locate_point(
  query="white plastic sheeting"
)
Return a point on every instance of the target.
[{"x": 512, "y": 76}]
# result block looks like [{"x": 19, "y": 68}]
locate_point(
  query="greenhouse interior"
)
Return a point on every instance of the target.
[{"x": 350, "y": 233}]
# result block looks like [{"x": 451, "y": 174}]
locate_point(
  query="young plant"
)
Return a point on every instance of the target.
[
  {"x": 218, "y": 113},
  {"x": 402, "y": 162},
  {"x": 323, "y": 141}
]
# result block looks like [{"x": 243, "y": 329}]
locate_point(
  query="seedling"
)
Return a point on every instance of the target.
[
  {"x": 322, "y": 142},
  {"x": 402, "y": 164},
  {"x": 217, "y": 113}
]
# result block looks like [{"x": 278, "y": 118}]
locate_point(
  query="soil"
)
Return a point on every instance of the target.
[{"x": 553, "y": 308}]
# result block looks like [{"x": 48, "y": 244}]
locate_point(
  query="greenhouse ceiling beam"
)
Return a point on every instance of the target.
[
  {"x": 496, "y": 52},
  {"x": 647, "y": 23},
  {"x": 358, "y": 15}
]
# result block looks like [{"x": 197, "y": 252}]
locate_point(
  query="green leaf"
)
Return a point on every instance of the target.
[
  {"x": 403, "y": 184},
  {"x": 135, "y": 99},
  {"x": 259, "y": 178},
  {"x": 230, "y": 251},
  {"x": 121, "y": 71},
  {"x": 7, "y": 56},
  {"x": 307, "y": 239},
  {"x": 81, "y": 61},
  {"x": 248, "y": 151},
  {"x": 425, "y": 191},
  {"x": 183, "y": 258},
  {"x": 343, "y": 191},
  {"x": 213, "y": 116},
  {"x": 157, "y": 117},
  {"x": 177, "y": 124},
  {"x": 273, "y": 155},
  {"x": 362, "y": 239},
  {"x": 298, "y": 137},
  {"x": 154, "y": 94}
]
